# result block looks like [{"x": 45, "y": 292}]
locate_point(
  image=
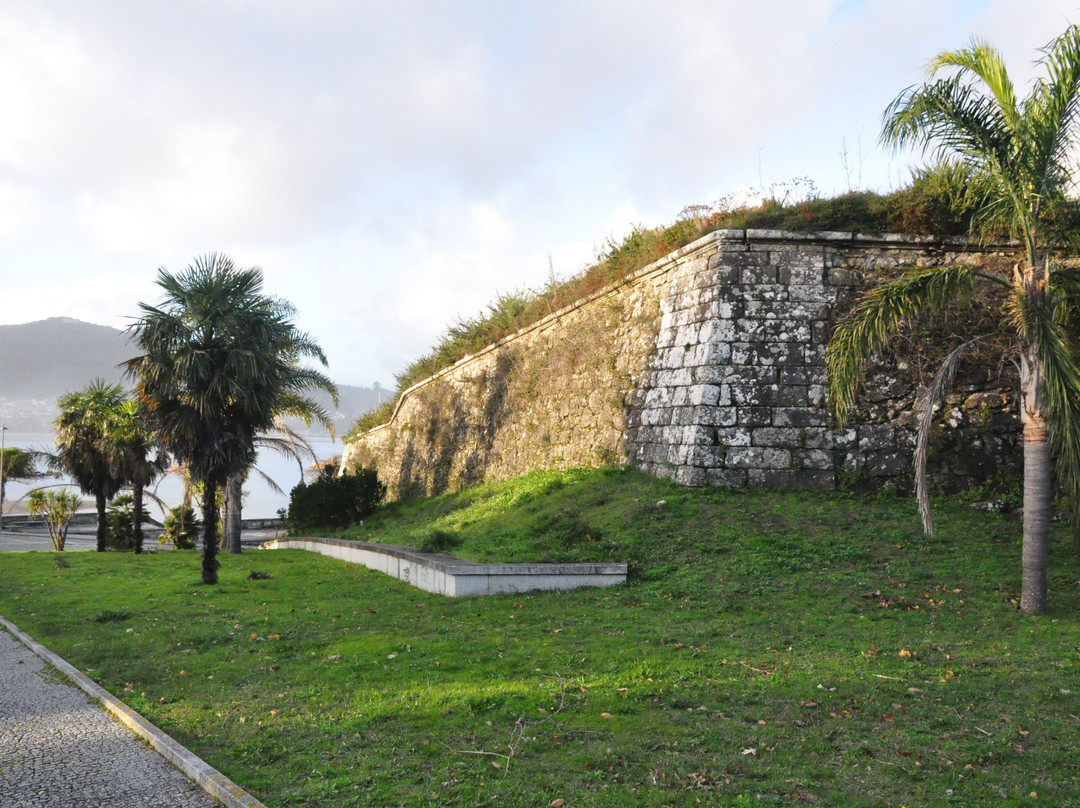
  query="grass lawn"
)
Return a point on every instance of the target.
[{"x": 769, "y": 649}]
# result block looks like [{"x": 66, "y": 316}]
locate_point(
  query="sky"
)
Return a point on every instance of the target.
[{"x": 393, "y": 165}]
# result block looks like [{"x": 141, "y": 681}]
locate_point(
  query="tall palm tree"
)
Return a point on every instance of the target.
[
  {"x": 86, "y": 418},
  {"x": 1016, "y": 154},
  {"x": 220, "y": 358},
  {"x": 137, "y": 457}
]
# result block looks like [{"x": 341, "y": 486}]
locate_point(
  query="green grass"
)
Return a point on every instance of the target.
[{"x": 863, "y": 664}]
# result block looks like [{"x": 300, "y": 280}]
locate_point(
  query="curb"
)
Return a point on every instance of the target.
[{"x": 208, "y": 778}]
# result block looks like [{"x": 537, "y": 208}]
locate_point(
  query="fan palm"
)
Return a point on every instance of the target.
[
  {"x": 86, "y": 418},
  {"x": 137, "y": 457},
  {"x": 219, "y": 361},
  {"x": 1016, "y": 155}
]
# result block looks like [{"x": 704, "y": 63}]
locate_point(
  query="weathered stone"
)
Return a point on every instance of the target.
[
  {"x": 777, "y": 436},
  {"x": 787, "y": 478},
  {"x": 707, "y": 367},
  {"x": 755, "y": 457},
  {"x": 737, "y": 436},
  {"x": 727, "y": 478},
  {"x": 813, "y": 459},
  {"x": 756, "y": 416}
]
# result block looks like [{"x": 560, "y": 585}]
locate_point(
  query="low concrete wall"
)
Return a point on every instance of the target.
[{"x": 445, "y": 575}]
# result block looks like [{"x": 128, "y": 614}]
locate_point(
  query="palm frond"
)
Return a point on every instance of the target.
[
  {"x": 880, "y": 313},
  {"x": 1064, "y": 291},
  {"x": 935, "y": 394},
  {"x": 986, "y": 62},
  {"x": 1057, "y": 350},
  {"x": 1052, "y": 110}
]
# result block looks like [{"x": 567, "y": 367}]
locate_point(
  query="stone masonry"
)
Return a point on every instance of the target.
[{"x": 707, "y": 367}]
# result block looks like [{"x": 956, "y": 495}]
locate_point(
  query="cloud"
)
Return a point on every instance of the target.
[{"x": 393, "y": 165}]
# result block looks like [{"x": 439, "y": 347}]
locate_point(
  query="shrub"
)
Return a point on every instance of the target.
[
  {"x": 181, "y": 528},
  {"x": 440, "y": 541},
  {"x": 121, "y": 518},
  {"x": 330, "y": 502},
  {"x": 57, "y": 509}
]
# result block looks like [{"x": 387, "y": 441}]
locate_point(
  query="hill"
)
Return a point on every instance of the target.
[
  {"x": 43, "y": 360},
  {"x": 769, "y": 649},
  {"x": 47, "y": 358}
]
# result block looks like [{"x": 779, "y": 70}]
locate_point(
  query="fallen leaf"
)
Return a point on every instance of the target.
[
  {"x": 905, "y": 653},
  {"x": 605, "y": 715},
  {"x": 749, "y": 751},
  {"x": 559, "y": 803},
  {"x": 808, "y": 703}
]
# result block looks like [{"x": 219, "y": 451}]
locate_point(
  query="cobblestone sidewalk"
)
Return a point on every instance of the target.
[{"x": 60, "y": 749}]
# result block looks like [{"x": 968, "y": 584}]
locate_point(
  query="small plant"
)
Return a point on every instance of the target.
[
  {"x": 56, "y": 508},
  {"x": 181, "y": 528},
  {"x": 330, "y": 501},
  {"x": 121, "y": 519},
  {"x": 111, "y": 616},
  {"x": 440, "y": 541}
]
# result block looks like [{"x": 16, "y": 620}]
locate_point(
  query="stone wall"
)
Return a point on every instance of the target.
[{"x": 706, "y": 367}]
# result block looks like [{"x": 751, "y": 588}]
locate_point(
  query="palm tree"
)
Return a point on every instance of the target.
[
  {"x": 86, "y": 418},
  {"x": 137, "y": 457},
  {"x": 220, "y": 359},
  {"x": 16, "y": 464},
  {"x": 1016, "y": 155},
  {"x": 283, "y": 440}
]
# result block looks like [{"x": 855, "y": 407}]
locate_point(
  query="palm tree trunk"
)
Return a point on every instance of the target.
[
  {"x": 1038, "y": 486},
  {"x": 234, "y": 490},
  {"x": 210, "y": 563},
  {"x": 102, "y": 520},
  {"x": 137, "y": 518}
]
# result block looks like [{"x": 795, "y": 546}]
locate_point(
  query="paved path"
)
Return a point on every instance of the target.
[
  {"x": 59, "y": 749},
  {"x": 13, "y": 540}
]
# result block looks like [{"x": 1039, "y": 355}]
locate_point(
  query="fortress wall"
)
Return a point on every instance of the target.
[{"x": 706, "y": 367}]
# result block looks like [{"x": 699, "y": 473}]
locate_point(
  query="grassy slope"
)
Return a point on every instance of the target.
[{"x": 861, "y": 663}]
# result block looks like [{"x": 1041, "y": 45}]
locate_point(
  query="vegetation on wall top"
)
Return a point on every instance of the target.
[{"x": 938, "y": 201}]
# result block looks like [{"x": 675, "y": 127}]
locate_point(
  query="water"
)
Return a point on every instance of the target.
[{"x": 260, "y": 500}]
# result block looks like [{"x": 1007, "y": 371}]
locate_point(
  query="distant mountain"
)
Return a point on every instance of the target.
[
  {"x": 46, "y": 359},
  {"x": 41, "y": 361}
]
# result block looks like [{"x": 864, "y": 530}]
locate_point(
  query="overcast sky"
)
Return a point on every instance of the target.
[{"x": 393, "y": 164}]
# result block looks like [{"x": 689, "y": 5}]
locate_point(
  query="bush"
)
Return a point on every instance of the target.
[
  {"x": 121, "y": 518},
  {"x": 57, "y": 509},
  {"x": 330, "y": 502},
  {"x": 440, "y": 541},
  {"x": 181, "y": 528}
]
